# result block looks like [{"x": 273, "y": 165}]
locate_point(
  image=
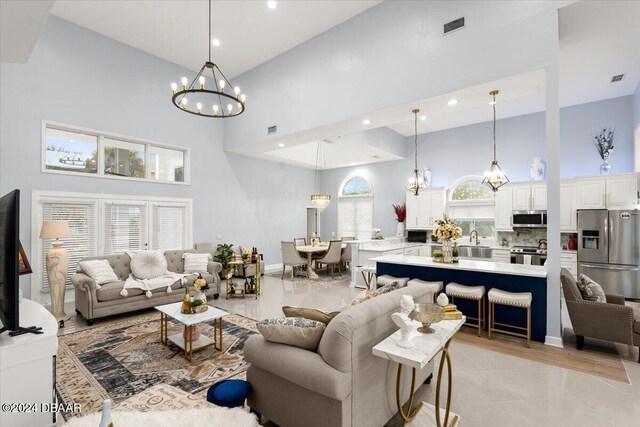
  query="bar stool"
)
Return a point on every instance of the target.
[
  {"x": 436, "y": 287},
  {"x": 473, "y": 293},
  {"x": 512, "y": 299}
]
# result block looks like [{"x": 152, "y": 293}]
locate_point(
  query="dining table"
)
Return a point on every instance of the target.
[{"x": 310, "y": 251}]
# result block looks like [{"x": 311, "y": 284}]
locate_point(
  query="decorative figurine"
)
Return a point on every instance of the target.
[
  {"x": 406, "y": 329},
  {"x": 442, "y": 300}
]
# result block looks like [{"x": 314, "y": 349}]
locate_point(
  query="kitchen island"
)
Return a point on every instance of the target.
[{"x": 508, "y": 277}]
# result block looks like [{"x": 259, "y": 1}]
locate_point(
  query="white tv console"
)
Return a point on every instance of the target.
[{"x": 27, "y": 370}]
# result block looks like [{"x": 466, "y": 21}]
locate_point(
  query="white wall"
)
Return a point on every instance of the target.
[
  {"x": 390, "y": 55},
  {"x": 454, "y": 153},
  {"x": 81, "y": 78},
  {"x": 636, "y": 124}
]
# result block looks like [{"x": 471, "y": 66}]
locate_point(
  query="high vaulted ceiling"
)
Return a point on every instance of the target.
[{"x": 249, "y": 32}]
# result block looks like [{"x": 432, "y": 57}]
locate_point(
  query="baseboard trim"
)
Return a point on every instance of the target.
[
  {"x": 553, "y": 341},
  {"x": 272, "y": 268}
]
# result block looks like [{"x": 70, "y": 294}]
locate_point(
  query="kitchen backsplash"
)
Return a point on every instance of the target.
[{"x": 530, "y": 237}]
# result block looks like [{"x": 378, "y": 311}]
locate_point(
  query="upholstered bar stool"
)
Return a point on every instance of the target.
[
  {"x": 473, "y": 293},
  {"x": 512, "y": 299},
  {"x": 436, "y": 287},
  {"x": 387, "y": 280}
]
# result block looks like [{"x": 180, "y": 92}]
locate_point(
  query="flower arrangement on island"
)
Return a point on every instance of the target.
[{"x": 447, "y": 229}]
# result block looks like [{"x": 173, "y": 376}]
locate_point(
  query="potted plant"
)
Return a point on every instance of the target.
[
  {"x": 223, "y": 256},
  {"x": 401, "y": 215},
  {"x": 437, "y": 256}
]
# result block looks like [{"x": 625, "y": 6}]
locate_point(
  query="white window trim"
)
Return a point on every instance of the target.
[
  {"x": 101, "y": 136},
  {"x": 349, "y": 178},
  {"x": 98, "y": 201}
]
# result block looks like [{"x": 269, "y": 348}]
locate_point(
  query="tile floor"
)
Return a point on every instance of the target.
[{"x": 490, "y": 389}]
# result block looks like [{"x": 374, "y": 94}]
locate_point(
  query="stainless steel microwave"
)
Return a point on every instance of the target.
[{"x": 529, "y": 219}]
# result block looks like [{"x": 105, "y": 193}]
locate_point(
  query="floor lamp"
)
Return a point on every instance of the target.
[{"x": 57, "y": 264}]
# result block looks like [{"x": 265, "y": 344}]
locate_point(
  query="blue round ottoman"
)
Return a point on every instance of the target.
[{"x": 229, "y": 393}]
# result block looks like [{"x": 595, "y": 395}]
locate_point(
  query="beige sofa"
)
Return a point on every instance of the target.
[
  {"x": 93, "y": 303},
  {"x": 343, "y": 383}
]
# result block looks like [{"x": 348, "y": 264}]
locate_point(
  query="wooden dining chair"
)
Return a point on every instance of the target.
[{"x": 332, "y": 257}]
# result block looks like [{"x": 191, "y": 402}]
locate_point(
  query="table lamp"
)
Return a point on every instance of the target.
[{"x": 57, "y": 261}]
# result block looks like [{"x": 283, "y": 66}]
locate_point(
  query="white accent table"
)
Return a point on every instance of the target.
[
  {"x": 426, "y": 347},
  {"x": 27, "y": 369},
  {"x": 174, "y": 310}
]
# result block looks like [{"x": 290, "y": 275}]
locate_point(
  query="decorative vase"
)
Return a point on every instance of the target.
[
  {"x": 400, "y": 229},
  {"x": 447, "y": 251},
  {"x": 195, "y": 333},
  {"x": 538, "y": 169},
  {"x": 427, "y": 175},
  {"x": 201, "y": 295},
  {"x": 605, "y": 168},
  {"x": 442, "y": 300}
]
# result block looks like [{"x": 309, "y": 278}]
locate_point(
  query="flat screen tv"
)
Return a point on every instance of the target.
[{"x": 13, "y": 263}]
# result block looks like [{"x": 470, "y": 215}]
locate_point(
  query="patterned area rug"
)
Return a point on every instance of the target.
[
  {"x": 325, "y": 279},
  {"x": 125, "y": 361}
]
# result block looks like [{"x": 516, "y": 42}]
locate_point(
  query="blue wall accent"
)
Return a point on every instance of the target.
[
  {"x": 636, "y": 106},
  {"x": 510, "y": 315}
]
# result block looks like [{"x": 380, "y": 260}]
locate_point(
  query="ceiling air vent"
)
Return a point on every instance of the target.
[
  {"x": 617, "y": 78},
  {"x": 272, "y": 129},
  {"x": 453, "y": 25}
]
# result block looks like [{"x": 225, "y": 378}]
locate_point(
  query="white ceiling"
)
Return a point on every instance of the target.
[
  {"x": 20, "y": 24},
  {"x": 177, "y": 30}
]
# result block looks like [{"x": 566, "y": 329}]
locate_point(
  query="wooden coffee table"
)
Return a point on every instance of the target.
[{"x": 189, "y": 345}]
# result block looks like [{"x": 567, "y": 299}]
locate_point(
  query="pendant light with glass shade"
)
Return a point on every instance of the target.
[
  {"x": 416, "y": 182},
  {"x": 319, "y": 201},
  {"x": 495, "y": 176}
]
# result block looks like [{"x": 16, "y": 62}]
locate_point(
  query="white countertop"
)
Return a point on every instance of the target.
[
  {"x": 467, "y": 265},
  {"x": 390, "y": 247}
]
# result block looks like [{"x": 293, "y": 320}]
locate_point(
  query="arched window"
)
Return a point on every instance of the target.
[
  {"x": 355, "y": 208},
  {"x": 472, "y": 203}
]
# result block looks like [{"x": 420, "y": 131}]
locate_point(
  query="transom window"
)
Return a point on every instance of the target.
[
  {"x": 471, "y": 189},
  {"x": 355, "y": 208},
  {"x": 472, "y": 203},
  {"x": 357, "y": 186}
]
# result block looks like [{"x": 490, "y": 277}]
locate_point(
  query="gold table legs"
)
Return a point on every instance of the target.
[
  {"x": 410, "y": 413},
  {"x": 188, "y": 342}
]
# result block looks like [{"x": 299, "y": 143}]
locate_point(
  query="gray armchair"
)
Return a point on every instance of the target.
[
  {"x": 610, "y": 321},
  {"x": 291, "y": 257}
]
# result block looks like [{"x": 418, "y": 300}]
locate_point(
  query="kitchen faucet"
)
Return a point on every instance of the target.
[{"x": 471, "y": 237}]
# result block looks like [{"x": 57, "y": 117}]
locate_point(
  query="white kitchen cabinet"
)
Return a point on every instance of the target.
[
  {"x": 568, "y": 206},
  {"x": 607, "y": 192},
  {"x": 501, "y": 255},
  {"x": 569, "y": 260},
  {"x": 528, "y": 197},
  {"x": 504, "y": 208},
  {"x": 424, "y": 209}
]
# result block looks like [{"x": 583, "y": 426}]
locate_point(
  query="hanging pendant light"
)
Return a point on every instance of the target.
[
  {"x": 223, "y": 104},
  {"x": 319, "y": 201},
  {"x": 494, "y": 177},
  {"x": 416, "y": 182}
]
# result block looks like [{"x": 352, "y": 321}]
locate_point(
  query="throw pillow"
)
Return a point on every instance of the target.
[
  {"x": 99, "y": 270},
  {"x": 148, "y": 264},
  {"x": 365, "y": 295},
  {"x": 294, "y": 331},
  {"x": 196, "y": 262},
  {"x": 309, "y": 313},
  {"x": 590, "y": 290},
  {"x": 362, "y": 296}
]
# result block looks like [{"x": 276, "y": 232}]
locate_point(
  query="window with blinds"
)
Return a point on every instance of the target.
[
  {"x": 169, "y": 226},
  {"x": 125, "y": 227},
  {"x": 355, "y": 217},
  {"x": 83, "y": 239}
]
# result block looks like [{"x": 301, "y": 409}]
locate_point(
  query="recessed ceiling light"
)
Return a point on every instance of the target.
[
  {"x": 281, "y": 145},
  {"x": 366, "y": 122},
  {"x": 271, "y": 4},
  {"x": 215, "y": 42},
  {"x": 452, "y": 101},
  {"x": 423, "y": 118}
]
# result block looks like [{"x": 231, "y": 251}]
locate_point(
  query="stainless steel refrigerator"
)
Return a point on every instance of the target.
[{"x": 609, "y": 249}]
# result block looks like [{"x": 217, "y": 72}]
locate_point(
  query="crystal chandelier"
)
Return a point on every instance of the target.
[
  {"x": 319, "y": 201},
  {"x": 494, "y": 177},
  {"x": 416, "y": 182},
  {"x": 234, "y": 100}
]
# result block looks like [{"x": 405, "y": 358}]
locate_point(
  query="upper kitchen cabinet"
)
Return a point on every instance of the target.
[
  {"x": 568, "y": 215},
  {"x": 504, "y": 208},
  {"x": 528, "y": 197},
  {"x": 424, "y": 209},
  {"x": 607, "y": 192}
]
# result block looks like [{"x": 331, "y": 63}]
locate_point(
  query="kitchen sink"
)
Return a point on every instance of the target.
[{"x": 469, "y": 251}]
